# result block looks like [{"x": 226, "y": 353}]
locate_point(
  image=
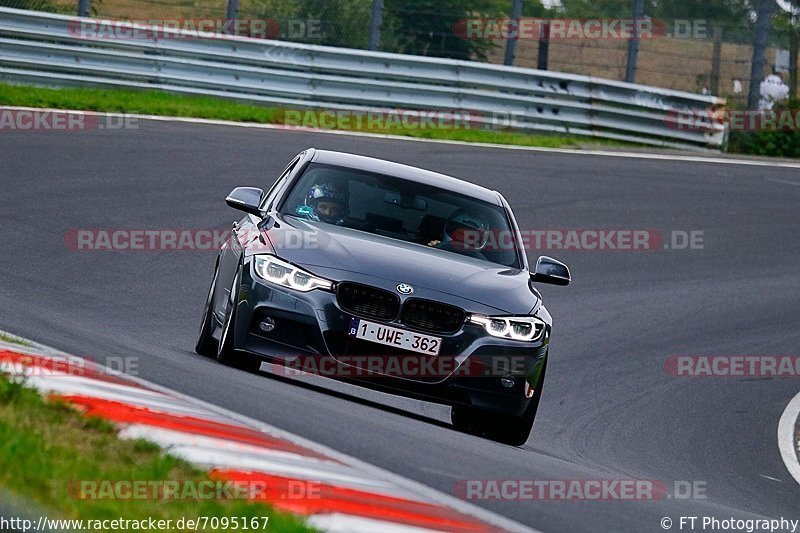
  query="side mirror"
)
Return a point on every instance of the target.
[
  {"x": 548, "y": 270},
  {"x": 247, "y": 199}
]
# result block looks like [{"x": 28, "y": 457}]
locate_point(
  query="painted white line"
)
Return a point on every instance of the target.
[
  {"x": 778, "y": 163},
  {"x": 786, "y": 436},
  {"x": 365, "y": 470}
]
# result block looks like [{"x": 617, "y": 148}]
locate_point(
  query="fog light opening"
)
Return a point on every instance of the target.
[
  {"x": 266, "y": 325},
  {"x": 508, "y": 381}
]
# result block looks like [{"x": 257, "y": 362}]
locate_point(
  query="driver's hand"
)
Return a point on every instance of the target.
[{"x": 434, "y": 243}]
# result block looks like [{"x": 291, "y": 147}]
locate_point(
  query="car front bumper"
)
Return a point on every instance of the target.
[{"x": 311, "y": 334}]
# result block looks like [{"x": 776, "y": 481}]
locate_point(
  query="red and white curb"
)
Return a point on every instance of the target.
[{"x": 349, "y": 495}]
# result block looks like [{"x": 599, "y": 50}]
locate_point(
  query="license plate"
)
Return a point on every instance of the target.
[{"x": 399, "y": 338}]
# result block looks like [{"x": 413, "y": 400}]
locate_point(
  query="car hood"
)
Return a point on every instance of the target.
[{"x": 344, "y": 254}]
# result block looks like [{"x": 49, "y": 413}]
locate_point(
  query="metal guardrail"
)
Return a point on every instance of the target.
[{"x": 54, "y": 50}]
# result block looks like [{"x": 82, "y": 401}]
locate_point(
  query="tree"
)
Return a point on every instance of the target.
[
  {"x": 49, "y": 6},
  {"x": 596, "y": 8},
  {"x": 428, "y": 27},
  {"x": 791, "y": 26},
  {"x": 344, "y": 22},
  {"x": 732, "y": 16}
]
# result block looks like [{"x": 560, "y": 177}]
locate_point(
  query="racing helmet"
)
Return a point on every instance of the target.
[
  {"x": 326, "y": 202},
  {"x": 467, "y": 229}
]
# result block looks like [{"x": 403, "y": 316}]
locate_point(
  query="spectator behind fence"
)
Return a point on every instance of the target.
[{"x": 772, "y": 90}]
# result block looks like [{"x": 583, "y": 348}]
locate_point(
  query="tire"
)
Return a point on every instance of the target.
[
  {"x": 513, "y": 430},
  {"x": 206, "y": 344},
  {"x": 470, "y": 419}
]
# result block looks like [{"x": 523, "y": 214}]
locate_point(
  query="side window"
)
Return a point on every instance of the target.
[{"x": 269, "y": 198}]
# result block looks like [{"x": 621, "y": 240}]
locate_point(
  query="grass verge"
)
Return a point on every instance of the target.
[
  {"x": 47, "y": 448},
  {"x": 13, "y": 340},
  {"x": 166, "y": 104},
  {"x": 778, "y": 135}
]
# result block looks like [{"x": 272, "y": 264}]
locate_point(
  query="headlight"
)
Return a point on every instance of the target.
[
  {"x": 280, "y": 272},
  {"x": 518, "y": 328}
]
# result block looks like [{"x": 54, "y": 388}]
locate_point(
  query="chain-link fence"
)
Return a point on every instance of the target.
[{"x": 693, "y": 45}]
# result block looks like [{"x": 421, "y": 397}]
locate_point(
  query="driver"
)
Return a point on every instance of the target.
[
  {"x": 325, "y": 202},
  {"x": 466, "y": 232}
]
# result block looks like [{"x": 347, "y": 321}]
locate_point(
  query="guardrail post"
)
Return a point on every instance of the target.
[
  {"x": 511, "y": 42},
  {"x": 763, "y": 23},
  {"x": 84, "y": 6},
  {"x": 231, "y": 14},
  {"x": 633, "y": 43},
  {"x": 375, "y": 25}
]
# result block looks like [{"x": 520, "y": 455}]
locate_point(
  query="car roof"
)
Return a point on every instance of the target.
[{"x": 427, "y": 177}]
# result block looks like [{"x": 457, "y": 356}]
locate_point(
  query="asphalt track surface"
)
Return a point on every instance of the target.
[{"x": 609, "y": 409}]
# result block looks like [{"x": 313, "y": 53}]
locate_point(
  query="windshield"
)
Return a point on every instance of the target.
[{"x": 404, "y": 210}]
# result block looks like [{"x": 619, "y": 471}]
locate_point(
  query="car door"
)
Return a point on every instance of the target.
[{"x": 229, "y": 257}]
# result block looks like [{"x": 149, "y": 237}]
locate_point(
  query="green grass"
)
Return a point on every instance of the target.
[
  {"x": 166, "y": 104},
  {"x": 129, "y": 101},
  {"x": 13, "y": 340},
  {"x": 46, "y": 448}
]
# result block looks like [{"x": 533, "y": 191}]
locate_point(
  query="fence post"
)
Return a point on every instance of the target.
[
  {"x": 633, "y": 43},
  {"x": 231, "y": 14},
  {"x": 716, "y": 60},
  {"x": 511, "y": 42},
  {"x": 544, "y": 46},
  {"x": 375, "y": 25},
  {"x": 794, "y": 45},
  {"x": 763, "y": 23},
  {"x": 84, "y": 6}
]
